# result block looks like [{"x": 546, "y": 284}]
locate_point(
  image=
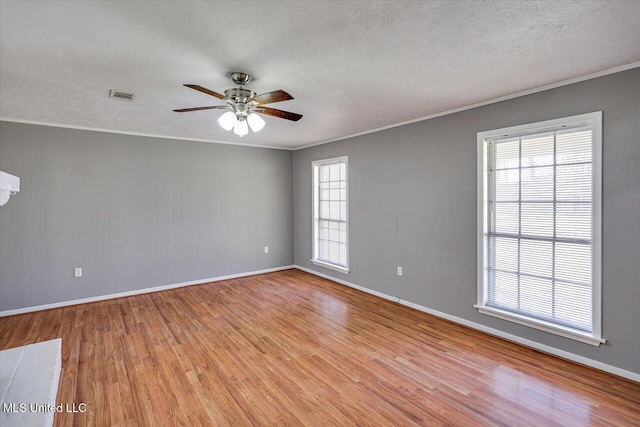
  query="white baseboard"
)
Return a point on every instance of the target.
[
  {"x": 351, "y": 285},
  {"x": 138, "y": 291},
  {"x": 491, "y": 331}
]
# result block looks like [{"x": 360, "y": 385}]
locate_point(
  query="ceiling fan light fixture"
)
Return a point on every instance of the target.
[
  {"x": 242, "y": 106},
  {"x": 241, "y": 128},
  {"x": 256, "y": 123},
  {"x": 227, "y": 120}
]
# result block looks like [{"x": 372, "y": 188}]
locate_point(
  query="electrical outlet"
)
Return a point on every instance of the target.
[
  {"x": 77, "y": 272},
  {"x": 266, "y": 249},
  {"x": 399, "y": 271}
]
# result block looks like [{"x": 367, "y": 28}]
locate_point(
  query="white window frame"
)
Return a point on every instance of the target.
[
  {"x": 315, "y": 214},
  {"x": 595, "y": 120}
]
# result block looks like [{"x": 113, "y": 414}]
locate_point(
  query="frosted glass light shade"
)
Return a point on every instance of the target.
[
  {"x": 241, "y": 128},
  {"x": 255, "y": 122},
  {"x": 227, "y": 120}
]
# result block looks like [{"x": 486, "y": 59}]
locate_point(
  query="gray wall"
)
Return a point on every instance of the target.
[
  {"x": 135, "y": 212},
  {"x": 413, "y": 203}
]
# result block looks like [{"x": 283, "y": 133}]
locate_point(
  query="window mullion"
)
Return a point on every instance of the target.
[
  {"x": 519, "y": 218},
  {"x": 553, "y": 244}
]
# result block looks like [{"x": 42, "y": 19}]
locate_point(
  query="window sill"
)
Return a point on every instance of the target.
[
  {"x": 330, "y": 266},
  {"x": 566, "y": 332}
]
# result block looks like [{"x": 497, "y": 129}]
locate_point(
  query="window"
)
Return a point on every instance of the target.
[
  {"x": 539, "y": 206},
  {"x": 330, "y": 214}
]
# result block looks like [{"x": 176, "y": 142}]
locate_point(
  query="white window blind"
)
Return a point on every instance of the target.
[
  {"x": 539, "y": 222},
  {"x": 330, "y": 247}
]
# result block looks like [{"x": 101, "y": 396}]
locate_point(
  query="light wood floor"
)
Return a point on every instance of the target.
[{"x": 289, "y": 348}]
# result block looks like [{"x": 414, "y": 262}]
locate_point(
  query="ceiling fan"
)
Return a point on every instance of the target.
[{"x": 244, "y": 106}]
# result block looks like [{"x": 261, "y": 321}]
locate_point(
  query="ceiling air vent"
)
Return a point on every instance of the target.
[{"x": 118, "y": 94}]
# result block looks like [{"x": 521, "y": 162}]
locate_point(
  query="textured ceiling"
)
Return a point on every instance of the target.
[{"x": 351, "y": 66}]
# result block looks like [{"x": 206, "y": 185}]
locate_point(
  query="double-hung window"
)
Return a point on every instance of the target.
[
  {"x": 539, "y": 225},
  {"x": 330, "y": 214}
]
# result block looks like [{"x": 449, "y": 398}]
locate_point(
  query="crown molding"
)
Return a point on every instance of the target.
[{"x": 147, "y": 135}]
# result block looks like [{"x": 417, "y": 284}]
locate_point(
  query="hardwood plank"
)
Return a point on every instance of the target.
[{"x": 290, "y": 348}]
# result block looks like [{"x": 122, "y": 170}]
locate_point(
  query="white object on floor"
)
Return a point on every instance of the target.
[{"x": 29, "y": 377}]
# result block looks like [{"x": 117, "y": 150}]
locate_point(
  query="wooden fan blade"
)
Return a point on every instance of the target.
[
  {"x": 271, "y": 97},
  {"x": 213, "y": 107},
  {"x": 207, "y": 91},
  {"x": 279, "y": 113}
]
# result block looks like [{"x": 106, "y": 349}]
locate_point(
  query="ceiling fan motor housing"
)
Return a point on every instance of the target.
[{"x": 238, "y": 94}]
